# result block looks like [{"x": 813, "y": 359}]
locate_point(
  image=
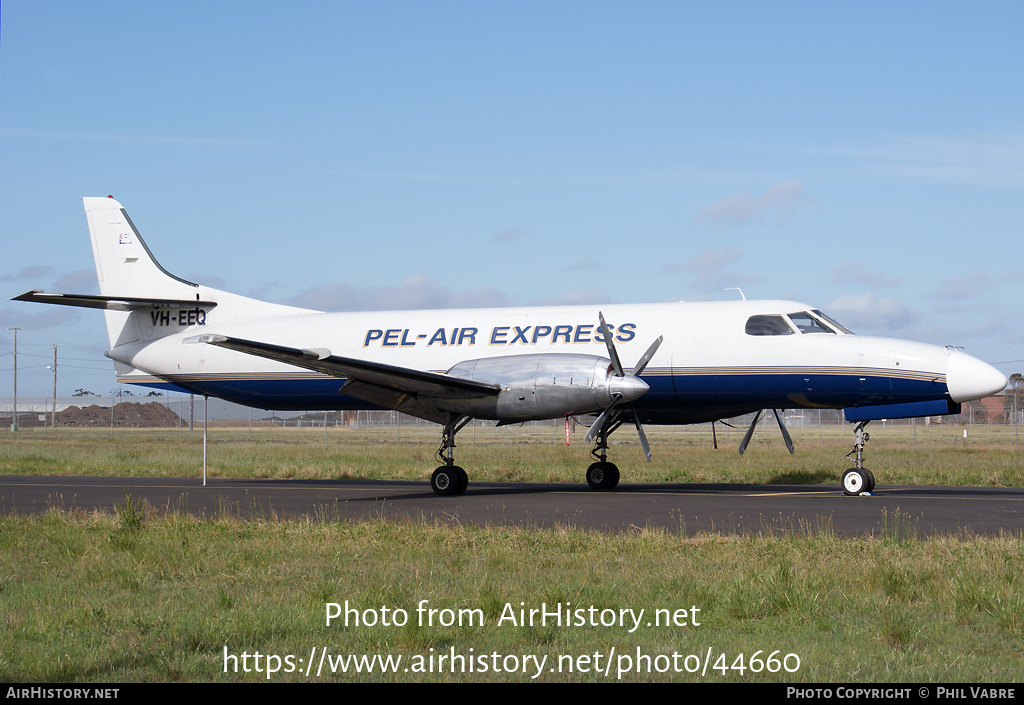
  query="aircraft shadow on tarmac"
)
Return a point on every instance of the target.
[{"x": 399, "y": 490}]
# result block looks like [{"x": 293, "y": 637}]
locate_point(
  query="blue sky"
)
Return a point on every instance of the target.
[{"x": 866, "y": 158}]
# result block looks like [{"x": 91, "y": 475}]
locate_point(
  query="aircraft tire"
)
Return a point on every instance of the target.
[
  {"x": 463, "y": 479},
  {"x": 870, "y": 476},
  {"x": 855, "y": 482},
  {"x": 613, "y": 480},
  {"x": 602, "y": 476},
  {"x": 447, "y": 481}
]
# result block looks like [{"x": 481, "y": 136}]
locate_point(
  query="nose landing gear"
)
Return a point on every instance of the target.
[{"x": 858, "y": 479}]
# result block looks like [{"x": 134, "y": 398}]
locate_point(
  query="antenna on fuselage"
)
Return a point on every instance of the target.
[{"x": 736, "y": 288}]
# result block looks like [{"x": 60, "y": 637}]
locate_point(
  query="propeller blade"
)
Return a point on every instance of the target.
[
  {"x": 611, "y": 346},
  {"x": 595, "y": 428},
  {"x": 643, "y": 436},
  {"x": 750, "y": 431},
  {"x": 785, "y": 433},
  {"x": 599, "y": 423},
  {"x": 642, "y": 363}
]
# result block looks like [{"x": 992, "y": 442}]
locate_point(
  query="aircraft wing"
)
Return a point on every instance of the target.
[{"x": 389, "y": 386}]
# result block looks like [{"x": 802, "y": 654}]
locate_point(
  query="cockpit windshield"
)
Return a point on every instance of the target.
[{"x": 798, "y": 322}]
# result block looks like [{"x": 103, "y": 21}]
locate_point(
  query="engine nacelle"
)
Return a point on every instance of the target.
[{"x": 541, "y": 386}]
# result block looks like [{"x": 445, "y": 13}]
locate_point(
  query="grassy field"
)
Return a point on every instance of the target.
[
  {"x": 128, "y": 596},
  {"x": 125, "y": 598},
  {"x": 896, "y": 454}
]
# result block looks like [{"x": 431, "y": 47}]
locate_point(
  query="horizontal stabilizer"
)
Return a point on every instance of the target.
[{"x": 109, "y": 303}]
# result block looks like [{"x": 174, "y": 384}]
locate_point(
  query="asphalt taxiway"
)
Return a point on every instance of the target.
[{"x": 684, "y": 508}]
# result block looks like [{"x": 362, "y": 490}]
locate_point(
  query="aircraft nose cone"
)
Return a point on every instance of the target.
[
  {"x": 629, "y": 387},
  {"x": 969, "y": 378}
]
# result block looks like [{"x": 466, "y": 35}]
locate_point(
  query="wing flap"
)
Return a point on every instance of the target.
[
  {"x": 392, "y": 399},
  {"x": 389, "y": 386}
]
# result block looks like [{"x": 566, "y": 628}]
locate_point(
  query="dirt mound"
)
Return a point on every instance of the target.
[{"x": 127, "y": 414}]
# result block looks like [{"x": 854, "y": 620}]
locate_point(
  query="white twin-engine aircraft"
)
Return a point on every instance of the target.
[{"x": 690, "y": 362}]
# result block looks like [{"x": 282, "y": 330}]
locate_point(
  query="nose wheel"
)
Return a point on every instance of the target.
[{"x": 858, "y": 479}]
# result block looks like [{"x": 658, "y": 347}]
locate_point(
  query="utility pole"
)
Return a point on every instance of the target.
[
  {"x": 14, "y": 423},
  {"x": 53, "y": 411}
]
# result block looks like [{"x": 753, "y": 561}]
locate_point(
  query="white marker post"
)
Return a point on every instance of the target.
[{"x": 206, "y": 416}]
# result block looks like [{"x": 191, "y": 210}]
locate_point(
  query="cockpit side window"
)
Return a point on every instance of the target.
[
  {"x": 768, "y": 325},
  {"x": 806, "y": 323}
]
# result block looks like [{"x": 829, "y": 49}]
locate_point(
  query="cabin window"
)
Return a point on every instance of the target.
[
  {"x": 806, "y": 323},
  {"x": 768, "y": 325}
]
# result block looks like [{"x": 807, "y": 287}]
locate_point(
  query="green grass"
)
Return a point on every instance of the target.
[
  {"x": 989, "y": 456},
  {"x": 128, "y": 597}
]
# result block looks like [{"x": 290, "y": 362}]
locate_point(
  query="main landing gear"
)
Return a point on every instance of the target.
[
  {"x": 602, "y": 475},
  {"x": 449, "y": 479},
  {"x": 858, "y": 479}
]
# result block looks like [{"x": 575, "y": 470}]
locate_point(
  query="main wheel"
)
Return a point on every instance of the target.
[
  {"x": 463, "y": 479},
  {"x": 855, "y": 482},
  {"x": 445, "y": 481},
  {"x": 602, "y": 476},
  {"x": 613, "y": 473}
]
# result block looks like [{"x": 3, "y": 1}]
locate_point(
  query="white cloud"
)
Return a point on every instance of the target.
[
  {"x": 575, "y": 297},
  {"x": 81, "y": 282},
  {"x": 778, "y": 204},
  {"x": 994, "y": 160},
  {"x": 868, "y": 313},
  {"x": 859, "y": 273},
  {"x": 709, "y": 261},
  {"x": 31, "y": 273},
  {"x": 710, "y": 269},
  {"x": 417, "y": 292},
  {"x": 214, "y": 280},
  {"x": 510, "y": 235},
  {"x": 587, "y": 264},
  {"x": 964, "y": 287},
  {"x": 32, "y": 316}
]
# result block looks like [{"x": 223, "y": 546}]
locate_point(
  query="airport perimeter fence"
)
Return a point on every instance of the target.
[{"x": 133, "y": 410}]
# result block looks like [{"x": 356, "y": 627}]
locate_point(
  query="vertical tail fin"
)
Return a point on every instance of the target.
[
  {"x": 137, "y": 294},
  {"x": 126, "y": 268},
  {"x": 124, "y": 264}
]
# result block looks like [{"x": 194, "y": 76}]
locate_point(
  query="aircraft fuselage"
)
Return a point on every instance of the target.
[{"x": 709, "y": 367}]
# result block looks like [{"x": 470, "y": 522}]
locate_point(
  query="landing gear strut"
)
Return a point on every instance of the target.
[
  {"x": 449, "y": 479},
  {"x": 858, "y": 479},
  {"x": 603, "y": 475}
]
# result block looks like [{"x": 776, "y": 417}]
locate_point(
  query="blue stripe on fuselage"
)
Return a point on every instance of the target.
[{"x": 676, "y": 398}]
